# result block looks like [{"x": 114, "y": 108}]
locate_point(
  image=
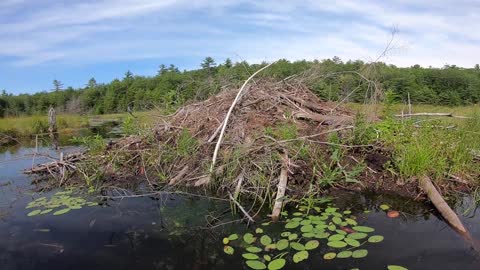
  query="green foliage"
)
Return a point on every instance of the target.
[
  {"x": 129, "y": 126},
  {"x": 186, "y": 144},
  {"x": 283, "y": 131},
  {"x": 94, "y": 144}
]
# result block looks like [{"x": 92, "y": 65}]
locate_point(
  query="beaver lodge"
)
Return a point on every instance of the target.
[{"x": 269, "y": 142}]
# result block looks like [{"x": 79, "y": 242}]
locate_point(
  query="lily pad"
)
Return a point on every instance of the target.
[
  {"x": 285, "y": 234},
  {"x": 351, "y": 221},
  {"x": 276, "y": 264},
  {"x": 352, "y": 242},
  {"x": 336, "y": 237},
  {"x": 300, "y": 256},
  {"x": 249, "y": 238},
  {"x": 259, "y": 230},
  {"x": 225, "y": 240},
  {"x": 337, "y": 220},
  {"x": 228, "y": 250},
  {"x": 292, "y": 225},
  {"x": 257, "y": 265},
  {"x": 34, "y": 212},
  {"x": 357, "y": 236},
  {"x": 233, "y": 237},
  {"x": 297, "y": 246},
  {"x": 312, "y": 244},
  {"x": 250, "y": 256},
  {"x": 292, "y": 236},
  {"x": 282, "y": 244},
  {"x": 396, "y": 267},
  {"x": 360, "y": 253},
  {"x": 253, "y": 249},
  {"x": 337, "y": 244},
  {"x": 265, "y": 240},
  {"x": 364, "y": 229},
  {"x": 306, "y": 228},
  {"x": 308, "y": 235},
  {"x": 61, "y": 212},
  {"x": 375, "y": 239},
  {"x": 344, "y": 254},
  {"x": 330, "y": 256},
  {"x": 267, "y": 257},
  {"x": 384, "y": 207}
]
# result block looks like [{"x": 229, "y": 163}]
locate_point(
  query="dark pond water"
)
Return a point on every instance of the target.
[{"x": 171, "y": 232}]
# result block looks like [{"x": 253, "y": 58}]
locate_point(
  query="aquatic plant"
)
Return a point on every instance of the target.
[{"x": 60, "y": 203}]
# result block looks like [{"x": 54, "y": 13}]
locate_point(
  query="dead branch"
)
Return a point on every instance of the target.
[
  {"x": 241, "y": 208},
  {"x": 432, "y": 114},
  {"x": 282, "y": 186}
]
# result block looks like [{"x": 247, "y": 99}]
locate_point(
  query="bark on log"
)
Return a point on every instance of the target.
[{"x": 440, "y": 204}]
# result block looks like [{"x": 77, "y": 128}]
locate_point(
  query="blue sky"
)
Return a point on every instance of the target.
[{"x": 72, "y": 41}]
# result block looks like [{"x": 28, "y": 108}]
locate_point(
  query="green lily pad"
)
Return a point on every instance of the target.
[
  {"x": 306, "y": 222},
  {"x": 253, "y": 249},
  {"x": 337, "y": 220},
  {"x": 259, "y": 230},
  {"x": 228, "y": 250},
  {"x": 292, "y": 236},
  {"x": 34, "y": 212},
  {"x": 341, "y": 232},
  {"x": 308, "y": 235},
  {"x": 265, "y": 240},
  {"x": 384, "y": 207},
  {"x": 312, "y": 244},
  {"x": 276, "y": 264},
  {"x": 233, "y": 237},
  {"x": 352, "y": 242},
  {"x": 282, "y": 244},
  {"x": 292, "y": 225},
  {"x": 357, "y": 236},
  {"x": 332, "y": 227},
  {"x": 250, "y": 256},
  {"x": 364, "y": 229},
  {"x": 285, "y": 234},
  {"x": 360, "y": 253},
  {"x": 249, "y": 238},
  {"x": 297, "y": 214},
  {"x": 336, "y": 237},
  {"x": 225, "y": 240},
  {"x": 337, "y": 244},
  {"x": 330, "y": 256},
  {"x": 322, "y": 235},
  {"x": 297, "y": 246},
  {"x": 396, "y": 267},
  {"x": 300, "y": 256},
  {"x": 257, "y": 265},
  {"x": 46, "y": 211},
  {"x": 267, "y": 257},
  {"x": 61, "y": 212},
  {"x": 351, "y": 221},
  {"x": 375, "y": 239},
  {"x": 344, "y": 254},
  {"x": 306, "y": 228}
]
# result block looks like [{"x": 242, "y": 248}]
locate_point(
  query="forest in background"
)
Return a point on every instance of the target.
[{"x": 450, "y": 85}]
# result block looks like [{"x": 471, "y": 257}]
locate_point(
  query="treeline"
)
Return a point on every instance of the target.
[{"x": 171, "y": 87}]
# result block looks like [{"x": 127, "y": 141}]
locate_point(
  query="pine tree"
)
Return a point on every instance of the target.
[{"x": 57, "y": 86}]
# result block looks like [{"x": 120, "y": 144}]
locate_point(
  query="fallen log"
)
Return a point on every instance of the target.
[
  {"x": 55, "y": 165},
  {"x": 282, "y": 186},
  {"x": 439, "y": 203}
]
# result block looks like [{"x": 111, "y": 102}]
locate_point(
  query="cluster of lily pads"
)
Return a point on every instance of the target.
[
  {"x": 304, "y": 229},
  {"x": 60, "y": 203}
]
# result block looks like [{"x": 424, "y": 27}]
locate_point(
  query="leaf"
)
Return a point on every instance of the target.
[
  {"x": 259, "y": 230},
  {"x": 351, "y": 221},
  {"x": 360, "y": 253},
  {"x": 265, "y": 240},
  {"x": 61, "y": 212},
  {"x": 34, "y": 213},
  {"x": 330, "y": 210},
  {"x": 322, "y": 235},
  {"x": 228, "y": 250},
  {"x": 337, "y": 220},
  {"x": 306, "y": 222},
  {"x": 347, "y": 212},
  {"x": 276, "y": 264},
  {"x": 364, "y": 229},
  {"x": 253, "y": 249},
  {"x": 297, "y": 246},
  {"x": 306, "y": 228},
  {"x": 249, "y": 238},
  {"x": 257, "y": 265},
  {"x": 285, "y": 234},
  {"x": 265, "y": 223},
  {"x": 233, "y": 237},
  {"x": 332, "y": 227},
  {"x": 336, "y": 237},
  {"x": 352, "y": 242},
  {"x": 225, "y": 241},
  {"x": 396, "y": 267},
  {"x": 308, "y": 235},
  {"x": 292, "y": 236},
  {"x": 312, "y": 244},
  {"x": 250, "y": 256},
  {"x": 292, "y": 225},
  {"x": 345, "y": 254},
  {"x": 375, "y": 239},
  {"x": 300, "y": 256},
  {"x": 341, "y": 232},
  {"x": 282, "y": 244},
  {"x": 337, "y": 244},
  {"x": 267, "y": 258},
  {"x": 297, "y": 214},
  {"x": 330, "y": 256},
  {"x": 357, "y": 236},
  {"x": 46, "y": 211},
  {"x": 384, "y": 207},
  {"x": 270, "y": 247}
]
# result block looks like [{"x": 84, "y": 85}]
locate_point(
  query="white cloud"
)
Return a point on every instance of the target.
[{"x": 431, "y": 32}]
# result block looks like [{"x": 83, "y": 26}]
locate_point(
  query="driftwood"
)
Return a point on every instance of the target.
[
  {"x": 245, "y": 213},
  {"x": 440, "y": 204},
  {"x": 179, "y": 176},
  {"x": 282, "y": 186},
  {"x": 433, "y": 114},
  {"x": 52, "y": 166}
]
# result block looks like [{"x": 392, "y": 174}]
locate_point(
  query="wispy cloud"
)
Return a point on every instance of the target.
[{"x": 86, "y": 32}]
